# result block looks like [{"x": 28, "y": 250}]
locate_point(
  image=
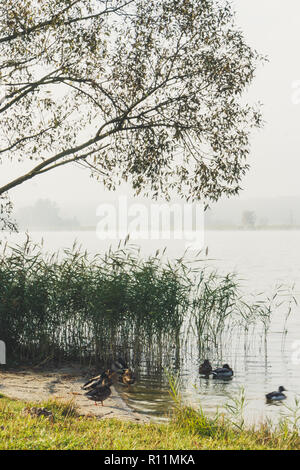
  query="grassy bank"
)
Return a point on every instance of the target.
[{"x": 187, "y": 429}]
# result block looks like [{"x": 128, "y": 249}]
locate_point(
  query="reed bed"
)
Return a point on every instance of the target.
[{"x": 93, "y": 309}]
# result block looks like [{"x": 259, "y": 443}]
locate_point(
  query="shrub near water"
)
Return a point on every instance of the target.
[
  {"x": 87, "y": 309},
  {"x": 75, "y": 307}
]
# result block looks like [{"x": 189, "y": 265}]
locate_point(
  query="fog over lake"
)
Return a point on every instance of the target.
[{"x": 275, "y": 164}]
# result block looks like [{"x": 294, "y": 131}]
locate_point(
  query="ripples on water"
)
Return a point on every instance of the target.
[
  {"x": 262, "y": 260},
  {"x": 255, "y": 371}
]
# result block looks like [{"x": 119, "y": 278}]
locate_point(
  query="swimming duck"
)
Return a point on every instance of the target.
[
  {"x": 101, "y": 379},
  {"x": 223, "y": 372},
  {"x": 276, "y": 396},
  {"x": 100, "y": 392},
  {"x": 205, "y": 368}
]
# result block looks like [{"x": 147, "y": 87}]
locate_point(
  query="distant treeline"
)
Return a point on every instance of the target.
[{"x": 44, "y": 215}]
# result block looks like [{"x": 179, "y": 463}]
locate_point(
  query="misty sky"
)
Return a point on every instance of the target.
[{"x": 273, "y": 28}]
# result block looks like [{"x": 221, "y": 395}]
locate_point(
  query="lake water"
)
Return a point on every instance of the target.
[{"x": 262, "y": 260}]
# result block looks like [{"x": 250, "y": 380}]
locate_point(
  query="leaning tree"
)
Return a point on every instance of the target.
[{"x": 146, "y": 91}]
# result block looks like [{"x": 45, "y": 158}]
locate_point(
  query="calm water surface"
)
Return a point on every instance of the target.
[{"x": 262, "y": 260}]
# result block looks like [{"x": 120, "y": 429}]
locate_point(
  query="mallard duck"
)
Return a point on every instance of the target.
[
  {"x": 276, "y": 396},
  {"x": 100, "y": 392},
  {"x": 126, "y": 375},
  {"x": 99, "y": 380},
  {"x": 205, "y": 368},
  {"x": 119, "y": 365},
  {"x": 223, "y": 372}
]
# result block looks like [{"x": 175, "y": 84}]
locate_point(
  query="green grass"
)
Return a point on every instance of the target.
[{"x": 188, "y": 430}]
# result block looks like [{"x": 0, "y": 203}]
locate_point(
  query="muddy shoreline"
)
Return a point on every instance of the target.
[{"x": 63, "y": 383}]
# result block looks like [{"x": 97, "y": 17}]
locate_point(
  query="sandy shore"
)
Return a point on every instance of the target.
[{"x": 63, "y": 384}]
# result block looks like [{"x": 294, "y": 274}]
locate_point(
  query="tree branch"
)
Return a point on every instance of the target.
[{"x": 46, "y": 23}]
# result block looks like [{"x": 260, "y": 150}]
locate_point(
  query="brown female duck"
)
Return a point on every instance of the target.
[
  {"x": 126, "y": 375},
  {"x": 100, "y": 392},
  {"x": 100, "y": 379}
]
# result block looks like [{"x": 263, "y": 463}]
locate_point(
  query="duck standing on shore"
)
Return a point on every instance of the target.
[
  {"x": 101, "y": 391},
  {"x": 224, "y": 372},
  {"x": 126, "y": 375},
  {"x": 205, "y": 368},
  {"x": 99, "y": 380},
  {"x": 276, "y": 396}
]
